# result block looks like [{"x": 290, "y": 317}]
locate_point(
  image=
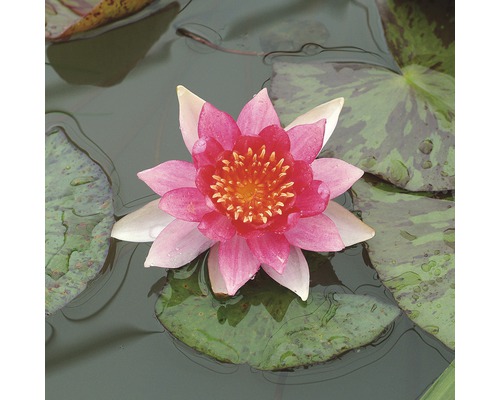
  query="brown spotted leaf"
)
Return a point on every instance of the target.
[
  {"x": 105, "y": 59},
  {"x": 65, "y": 18}
]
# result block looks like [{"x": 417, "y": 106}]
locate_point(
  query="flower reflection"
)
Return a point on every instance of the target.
[{"x": 255, "y": 194}]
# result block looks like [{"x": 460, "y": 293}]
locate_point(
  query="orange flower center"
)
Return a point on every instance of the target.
[{"x": 252, "y": 187}]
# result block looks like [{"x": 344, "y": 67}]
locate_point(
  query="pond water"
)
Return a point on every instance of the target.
[{"x": 114, "y": 95}]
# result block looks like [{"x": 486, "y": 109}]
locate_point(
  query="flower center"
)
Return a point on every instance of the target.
[{"x": 252, "y": 187}]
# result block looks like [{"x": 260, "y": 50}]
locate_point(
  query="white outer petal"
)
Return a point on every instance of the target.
[
  {"x": 190, "y": 106},
  {"x": 176, "y": 245},
  {"x": 295, "y": 275},
  {"x": 329, "y": 110},
  {"x": 142, "y": 225},
  {"x": 352, "y": 230},
  {"x": 216, "y": 279}
]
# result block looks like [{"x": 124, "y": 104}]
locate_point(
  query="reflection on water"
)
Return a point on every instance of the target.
[{"x": 108, "y": 342}]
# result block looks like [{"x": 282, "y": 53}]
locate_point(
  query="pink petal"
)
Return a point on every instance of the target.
[
  {"x": 206, "y": 151},
  {"x": 313, "y": 200},
  {"x": 271, "y": 249},
  {"x": 236, "y": 263},
  {"x": 275, "y": 138},
  {"x": 307, "y": 140},
  {"x": 351, "y": 229},
  {"x": 204, "y": 179},
  {"x": 317, "y": 233},
  {"x": 216, "y": 278},
  {"x": 257, "y": 114},
  {"x": 179, "y": 243},
  {"x": 217, "y": 227},
  {"x": 296, "y": 274},
  {"x": 169, "y": 175},
  {"x": 338, "y": 175},
  {"x": 244, "y": 142},
  {"x": 282, "y": 223},
  {"x": 218, "y": 125},
  {"x": 329, "y": 110},
  {"x": 142, "y": 225},
  {"x": 301, "y": 175},
  {"x": 187, "y": 204},
  {"x": 189, "y": 113}
]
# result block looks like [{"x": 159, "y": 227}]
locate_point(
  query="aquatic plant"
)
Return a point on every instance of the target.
[{"x": 255, "y": 194}]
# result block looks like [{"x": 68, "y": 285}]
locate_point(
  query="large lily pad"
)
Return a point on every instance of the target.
[
  {"x": 399, "y": 127},
  {"x": 420, "y": 32},
  {"x": 65, "y": 18},
  {"x": 268, "y": 326},
  {"x": 413, "y": 252},
  {"x": 78, "y": 220}
]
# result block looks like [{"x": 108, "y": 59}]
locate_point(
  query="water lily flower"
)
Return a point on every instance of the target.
[{"x": 255, "y": 195}]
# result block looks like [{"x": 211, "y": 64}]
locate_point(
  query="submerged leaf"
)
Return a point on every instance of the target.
[
  {"x": 413, "y": 252},
  {"x": 398, "y": 127},
  {"x": 291, "y": 35},
  {"x": 65, "y": 18},
  {"x": 267, "y": 326},
  {"x": 78, "y": 220}
]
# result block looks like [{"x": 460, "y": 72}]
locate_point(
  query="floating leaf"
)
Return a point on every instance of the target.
[
  {"x": 267, "y": 326},
  {"x": 413, "y": 252},
  {"x": 65, "y": 18},
  {"x": 444, "y": 387},
  {"x": 398, "y": 127},
  {"x": 78, "y": 220},
  {"x": 420, "y": 32},
  {"x": 106, "y": 59}
]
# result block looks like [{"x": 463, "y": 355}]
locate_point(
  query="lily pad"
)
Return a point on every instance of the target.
[
  {"x": 399, "y": 127},
  {"x": 65, "y": 18},
  {"x": 413, "y": 252},
  {"x": 420, "y": 32},
  {"x": 266, "y": 325},
  {"x": 444, "y": 387},
  {"x": 78, "y": 220}
]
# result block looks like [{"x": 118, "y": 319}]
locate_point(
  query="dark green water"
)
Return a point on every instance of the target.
[{"x": 114, "y": 94}]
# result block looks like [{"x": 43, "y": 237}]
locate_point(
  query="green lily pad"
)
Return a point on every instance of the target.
[
  {"x": 266, "y": 325},
  {"x": 444, "y": 387},
  {"x": 413, "y": 252},
  {"x": 399, "y": 127},
  {"x": 420, "y": 32},
  {"x": 65, "y": 18},
  {"x": 78, "y": 220}
]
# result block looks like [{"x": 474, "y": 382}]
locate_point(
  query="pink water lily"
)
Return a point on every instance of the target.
[{"x": 255, "y": 195}]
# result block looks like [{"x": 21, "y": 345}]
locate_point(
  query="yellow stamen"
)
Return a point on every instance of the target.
[{"x": 252, "y": 187}]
